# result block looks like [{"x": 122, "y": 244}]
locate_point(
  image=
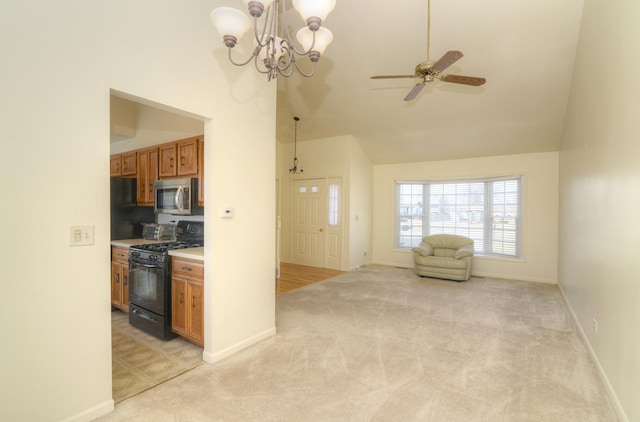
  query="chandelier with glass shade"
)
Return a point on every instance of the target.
[
  {"x": 294, "y": 169},
  {"x": 274, "y": 55}
]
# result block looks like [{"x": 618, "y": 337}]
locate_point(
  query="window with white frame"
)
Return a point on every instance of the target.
[
  {"x": 489, "y": 211},
  {"x": 333, "y": 201}
]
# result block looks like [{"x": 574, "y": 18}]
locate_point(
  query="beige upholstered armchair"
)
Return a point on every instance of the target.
[{"x": 444, "y": 256}]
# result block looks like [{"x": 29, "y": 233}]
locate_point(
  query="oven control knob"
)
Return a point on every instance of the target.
[{"x": 153, "y": 257}]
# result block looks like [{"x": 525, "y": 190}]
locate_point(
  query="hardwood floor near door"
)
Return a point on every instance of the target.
[{"x": 293, "y": 276}]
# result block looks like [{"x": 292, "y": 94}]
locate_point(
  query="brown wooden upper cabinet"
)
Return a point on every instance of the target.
[
  {"x": 179, "y": 158},
  {"x": 201, "y": 172},
  {"x": 123, "y": 164},
  {"x": 183, "y": 158},
  {"x": 147, "y": 175},
  {"x": 188, "y": 156},
  {"x": 115, "y": 165},
  {"x": 129, "y": 163},
  {"x": 167, "y": 160}
]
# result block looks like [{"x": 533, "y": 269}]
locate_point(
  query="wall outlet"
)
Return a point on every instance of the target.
[{"x": 595, "y": 325}]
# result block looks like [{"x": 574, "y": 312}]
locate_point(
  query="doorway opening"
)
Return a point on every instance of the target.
[{"x": 140, "y": 361}]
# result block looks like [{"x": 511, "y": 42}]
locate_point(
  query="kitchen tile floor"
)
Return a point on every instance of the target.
[{"x": 140, "y": 361}]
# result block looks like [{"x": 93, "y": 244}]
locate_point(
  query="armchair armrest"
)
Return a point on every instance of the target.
[
  {"x": 464, "y": 251},
  {"x": 423, "y": 249}
]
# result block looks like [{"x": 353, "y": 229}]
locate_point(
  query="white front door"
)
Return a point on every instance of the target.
[{"x": 309, "y": 222}]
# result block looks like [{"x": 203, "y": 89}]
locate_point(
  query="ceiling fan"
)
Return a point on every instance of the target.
[{"x": 428, "y": 70}]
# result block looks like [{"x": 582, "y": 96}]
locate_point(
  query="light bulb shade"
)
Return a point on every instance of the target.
[
  {"x": 230, "y": 21},
  {"x": 323, "y": 39},
  {"x": 314, "y": 8}
]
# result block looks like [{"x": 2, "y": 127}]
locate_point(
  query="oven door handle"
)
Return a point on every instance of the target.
[
  {"x": 179, "y": 198},
  {"x": 144, "y": 265}
]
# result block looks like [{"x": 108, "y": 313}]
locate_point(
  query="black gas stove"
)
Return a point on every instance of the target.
[
  {"x": 158, "y": 252},
  {"x": 189, "y": 234},
  {"x": 165, "y": 246},
  {"x": 150, "y": 279}
]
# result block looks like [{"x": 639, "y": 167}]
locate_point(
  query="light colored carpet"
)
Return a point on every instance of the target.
[
  {"x": 141, "y": 361},
  {"x": 381, "y": 344}
]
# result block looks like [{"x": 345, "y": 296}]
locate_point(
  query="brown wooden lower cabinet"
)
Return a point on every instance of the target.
[
  {"x": 120, "y": 278},
  {"x": 187, "y": 299}
]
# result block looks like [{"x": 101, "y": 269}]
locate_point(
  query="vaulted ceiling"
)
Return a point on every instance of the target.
[{"x": 525, "y": 50}]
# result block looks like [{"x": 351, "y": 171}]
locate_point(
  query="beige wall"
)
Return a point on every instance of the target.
[
  {"x": 600, "y": 204},
  {"x": 65, "y": 56},
  {"x": 360, "y": 207},
  {"x": 540, "y": 211}
]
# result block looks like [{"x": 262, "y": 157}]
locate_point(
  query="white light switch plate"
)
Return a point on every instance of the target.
[{"x": 80, "y": 235}]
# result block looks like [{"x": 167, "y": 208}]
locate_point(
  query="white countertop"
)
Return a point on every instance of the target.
[
  {"x": 125, "y": 243},
  {"x": 188, "y": 253}
]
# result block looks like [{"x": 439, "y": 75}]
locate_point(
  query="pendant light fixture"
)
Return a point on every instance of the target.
[
  {"x": 294, "y": 169},
  {"x": 274, "y": 55}
]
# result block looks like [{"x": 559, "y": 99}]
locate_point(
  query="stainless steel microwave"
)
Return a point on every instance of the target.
[{"x": 176, "y": 196}]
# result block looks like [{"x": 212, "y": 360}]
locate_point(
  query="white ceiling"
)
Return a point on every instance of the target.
[{"x": 525, "y": 49}]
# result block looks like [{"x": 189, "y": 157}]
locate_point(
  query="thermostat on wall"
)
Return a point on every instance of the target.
[{"x": 226, "y": 212}]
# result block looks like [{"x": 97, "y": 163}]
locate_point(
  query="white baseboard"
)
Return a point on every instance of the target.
[
  {"x": 92, "y": 413},
  {"x": 224, "y": 353},
  {"x": 511, "y": 277},
  {"x": 603, "y": 375},
  {"x": 481, "y": 274}
]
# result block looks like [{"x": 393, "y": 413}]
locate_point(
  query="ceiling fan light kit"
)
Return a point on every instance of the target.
[
  {"x": 274, "y": 55},
  {"x": 428, "y": 70}
]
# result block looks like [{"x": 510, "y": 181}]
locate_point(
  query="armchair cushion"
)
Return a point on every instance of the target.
[
  {"x": 464, "y": 251},
  {"x": 423, "y": 249}
]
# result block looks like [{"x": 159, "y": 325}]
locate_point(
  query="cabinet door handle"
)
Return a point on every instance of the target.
[
  {"x": 186, "y": 269},
  {"x": 170, "y": 162},
  {"x": 182, "y": 161},
  {"x": 193, "y": 301},
  {"x": 124, "y": 280},
  {"x": 118, "y": 278},
  {"x": 181, "y": 296}
]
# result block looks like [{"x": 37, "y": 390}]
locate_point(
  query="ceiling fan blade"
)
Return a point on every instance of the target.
[
  {"x": 447, "y": 60},
  {"x": 415, "y": 91},
  {"x": 465, "y": 80},
  {"x": 393, "y": 76}
]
